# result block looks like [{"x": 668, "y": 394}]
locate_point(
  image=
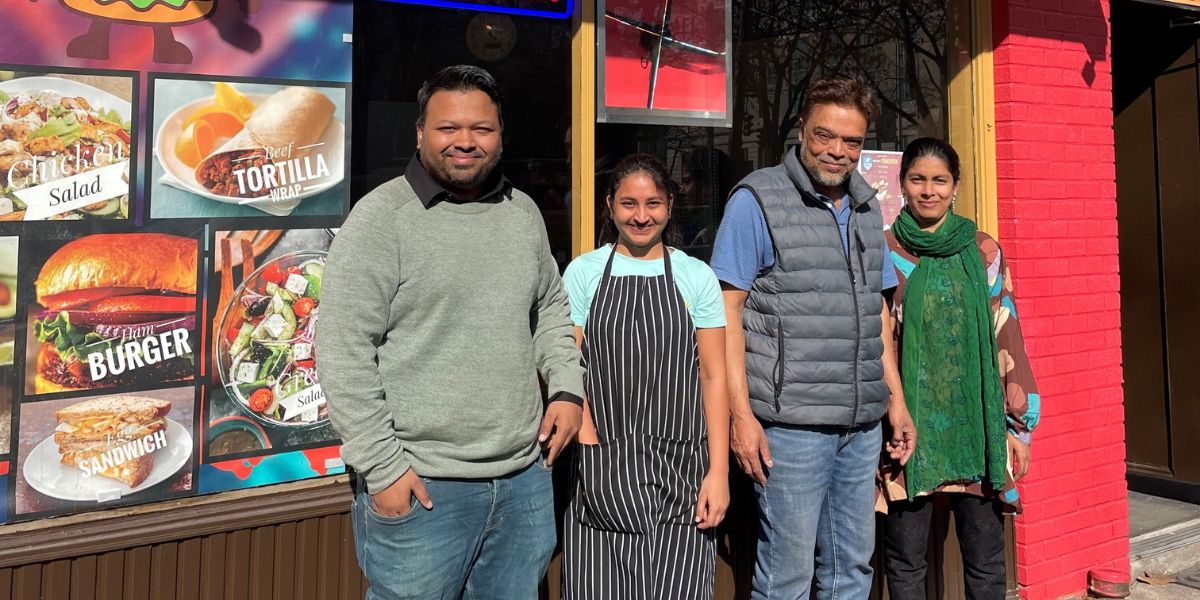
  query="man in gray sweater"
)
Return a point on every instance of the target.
[{"x": 441, "y": 305}]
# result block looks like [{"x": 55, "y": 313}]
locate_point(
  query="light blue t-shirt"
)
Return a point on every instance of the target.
[
  {"x": 743, "y": 246},
  {"x": 696, "y": 282}
]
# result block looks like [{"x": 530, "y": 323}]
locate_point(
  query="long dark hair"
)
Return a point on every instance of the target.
[
  {"x": 927, "y": 146},
  {"x": 657, "y": 172}
]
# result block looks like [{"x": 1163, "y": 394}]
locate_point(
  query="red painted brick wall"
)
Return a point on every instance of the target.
[{"x": 1057, "y": 209}]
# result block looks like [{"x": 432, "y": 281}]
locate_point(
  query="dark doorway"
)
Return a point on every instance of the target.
[{"x": 1156, "y": 100}]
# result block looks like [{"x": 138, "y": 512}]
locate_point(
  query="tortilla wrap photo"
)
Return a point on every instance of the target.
[{"x": 282, "y": 128}]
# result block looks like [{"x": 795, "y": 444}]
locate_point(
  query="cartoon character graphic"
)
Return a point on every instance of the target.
[{"x": 160, "y": 15}]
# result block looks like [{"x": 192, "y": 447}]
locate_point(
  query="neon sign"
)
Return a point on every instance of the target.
[{"x": 554, "y": 9}]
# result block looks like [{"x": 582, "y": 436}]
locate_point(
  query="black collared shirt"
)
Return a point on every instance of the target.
[{"x": 429, "y": 191}]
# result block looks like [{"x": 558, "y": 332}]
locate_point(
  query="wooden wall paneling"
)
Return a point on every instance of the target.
[
  {"x": 328, "y": 562},
  {"x": 83, "y": 578},
  {"x": 212, "y": 567},
  {"x": 187, "y": 569},
  {"x": 946, "y": 574},
  {"x": 136, "y": 585},
  {"x": 1147, "y": 440},
  {"x": 352, "y": 581},
  {"x": 164, "y": 563},
  {"x": 56, "y": 580},
  {"x": 6, "y": 577},
  {"x": 285, "y": 561},
  {"x": 1012, "y": 591},
  {"x": 110, "y": 574},
  {"x": 308, "y": 541},
  {"x": 27, "y": 582},
  {"x": 262, "y": 571},
  {"x": 237, "y": 564},
  {"x": 1177, "y": 99}
]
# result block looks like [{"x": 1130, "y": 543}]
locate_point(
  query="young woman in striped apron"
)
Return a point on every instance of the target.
[{"x": 651, "y": 473}]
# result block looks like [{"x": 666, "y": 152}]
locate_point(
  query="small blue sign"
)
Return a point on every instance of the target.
[{"x": 552, "y": 9}]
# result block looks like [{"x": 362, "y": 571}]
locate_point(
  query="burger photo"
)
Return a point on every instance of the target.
[{"x": 119, "y": 310}]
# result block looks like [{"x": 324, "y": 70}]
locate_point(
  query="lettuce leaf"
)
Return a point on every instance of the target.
[
  {"x": 4, "y": 97},
  {"x": 66, "y": 127},
  {"x": 144, "y": 4},
  {"x": 113, "y": 116},
  {"x": 70, "y": 340}
]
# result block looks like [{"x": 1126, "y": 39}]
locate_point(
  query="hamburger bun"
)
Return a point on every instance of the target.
[
  {"x": 158, "y": 13},
  {"x": 152, "y": 261}
]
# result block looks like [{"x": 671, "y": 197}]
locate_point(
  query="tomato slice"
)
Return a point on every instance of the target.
[
  {"x": 78, "y": 297},
  {"x": 273, "y": 274},
  {"x": 146, "y": 304}
]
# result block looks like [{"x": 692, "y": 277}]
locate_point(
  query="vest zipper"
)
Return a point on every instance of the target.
[
  {"x": 857, "y": 316},
  {"x": 779, "y": 365}
]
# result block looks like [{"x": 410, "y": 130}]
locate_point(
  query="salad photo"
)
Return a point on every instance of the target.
[
  {"x": 266, "y": 354},
  {"x": 53, "y": 129}
]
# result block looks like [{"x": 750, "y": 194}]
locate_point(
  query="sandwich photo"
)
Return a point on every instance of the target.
[
  {"x": 112, "y": 436},
  {"x": 102, "y": 449},
  {"x": 119, "y": 309},
  {"x": 240, "y": 149}
]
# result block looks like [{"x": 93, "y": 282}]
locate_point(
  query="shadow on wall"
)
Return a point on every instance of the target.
[
  {"x": 1137, "y": 65},
  {"x": 1087, "y": 26}
]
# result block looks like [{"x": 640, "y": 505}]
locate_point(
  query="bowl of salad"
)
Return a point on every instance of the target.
[
  {"x": 51, "y": 128},
  {"x": 266, "y": 355}
]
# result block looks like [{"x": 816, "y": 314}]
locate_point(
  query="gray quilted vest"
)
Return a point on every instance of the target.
[{"x": 812, "y": 324}]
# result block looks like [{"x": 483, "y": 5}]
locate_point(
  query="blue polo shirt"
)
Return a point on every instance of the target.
[{"x": 743, "y": 247}]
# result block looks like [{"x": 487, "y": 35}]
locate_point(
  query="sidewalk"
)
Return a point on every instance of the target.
[{"x": 1164, "y": 538}]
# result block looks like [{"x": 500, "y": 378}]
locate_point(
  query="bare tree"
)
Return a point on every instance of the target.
[{"x": 898, "y": 48}]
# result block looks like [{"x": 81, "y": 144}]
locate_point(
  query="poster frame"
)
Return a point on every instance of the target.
[{"x": 652, "y": 116}]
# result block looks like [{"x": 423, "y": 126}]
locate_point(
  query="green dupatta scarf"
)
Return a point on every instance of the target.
[{"x": 948, "y": 359}]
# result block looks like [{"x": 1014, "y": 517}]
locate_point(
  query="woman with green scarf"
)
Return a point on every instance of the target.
[{"x": 966, "y": 380}]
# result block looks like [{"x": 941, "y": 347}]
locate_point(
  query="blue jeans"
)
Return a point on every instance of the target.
[
  {"x": 816, "y": 513},
  {"x": 484, "y": 538}
]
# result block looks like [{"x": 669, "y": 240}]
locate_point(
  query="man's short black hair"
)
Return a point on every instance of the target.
[{"x": 459, "y": 78}]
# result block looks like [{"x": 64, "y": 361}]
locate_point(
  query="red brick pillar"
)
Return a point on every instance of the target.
[{"x": 1058, "y": 227}]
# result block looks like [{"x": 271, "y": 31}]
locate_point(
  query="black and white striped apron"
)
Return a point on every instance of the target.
[{"x": 631, "y": 533}]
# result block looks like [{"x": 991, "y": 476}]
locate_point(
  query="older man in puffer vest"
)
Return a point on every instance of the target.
[{"x": 804, "y": 268}]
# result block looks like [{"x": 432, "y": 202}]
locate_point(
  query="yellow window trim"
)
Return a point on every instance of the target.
[
  {"x": 583, "y": 128},
  {"x": 972, "y": 119},
  {"x": 973, "y": 109}
]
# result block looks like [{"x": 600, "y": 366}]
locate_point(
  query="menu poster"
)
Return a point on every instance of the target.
[
  {"x": 294, "y": 39},
  {"x": 881, "y": 169},
  {"x": 8, "y": 312},
  {"x": 135, "y": 136},
  {"x": 65, "y": 145},
  {"x": 231, "y": 148},
  {"x": 263, "y": 359},
  {"x": 97, "y": 451},
  {"x": 266, "y": 419},
  {"x": 665, "y": 63},
  {"x": 110, "y": 310},
  {"x": 4, "y": 468}
]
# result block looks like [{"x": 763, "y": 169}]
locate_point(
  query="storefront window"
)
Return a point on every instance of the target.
[
  {"x": 779, "y": 47},
  {"x": 398, "y": 46}
]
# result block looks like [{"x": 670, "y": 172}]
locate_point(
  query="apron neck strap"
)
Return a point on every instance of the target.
[{"x": 666, "y": 262}]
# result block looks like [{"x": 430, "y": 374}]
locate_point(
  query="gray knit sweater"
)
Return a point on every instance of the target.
[{"x": 434, "y": 324}]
